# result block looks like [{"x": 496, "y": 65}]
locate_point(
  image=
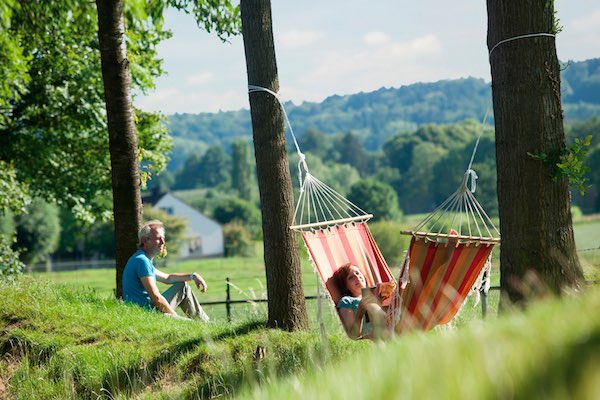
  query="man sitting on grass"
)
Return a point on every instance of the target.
[{"x": 140, "y": 276}]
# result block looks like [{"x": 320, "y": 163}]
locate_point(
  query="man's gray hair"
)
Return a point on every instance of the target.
[{"x": 144, "y": 232}]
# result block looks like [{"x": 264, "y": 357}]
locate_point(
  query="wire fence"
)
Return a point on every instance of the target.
[{"x": 229, "y": 302}]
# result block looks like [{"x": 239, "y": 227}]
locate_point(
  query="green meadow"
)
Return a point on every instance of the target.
[{"x": 63, "y": 336}]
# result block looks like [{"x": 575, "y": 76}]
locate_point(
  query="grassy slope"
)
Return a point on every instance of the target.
[
  {"x": 551, "y": 352},
  {"x": 61, "y": 343}
]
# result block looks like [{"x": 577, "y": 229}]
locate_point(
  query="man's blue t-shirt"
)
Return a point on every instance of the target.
[{"x": 138, "y": 266}]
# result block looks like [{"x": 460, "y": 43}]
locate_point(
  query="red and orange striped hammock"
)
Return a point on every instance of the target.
[{"x": 437, "y": 275}]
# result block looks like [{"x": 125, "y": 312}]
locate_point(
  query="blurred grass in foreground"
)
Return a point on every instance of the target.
[{"x": 61, "y": 342}]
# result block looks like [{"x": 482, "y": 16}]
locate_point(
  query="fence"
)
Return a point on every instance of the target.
[
  {"x": 228, "y": 301},
  {"x": 50, "y": 266}
]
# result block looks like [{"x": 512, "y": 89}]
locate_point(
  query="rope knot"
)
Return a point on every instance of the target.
[{"x": 473, "y": 175}]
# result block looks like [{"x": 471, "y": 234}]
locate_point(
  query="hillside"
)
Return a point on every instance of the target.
[
  {"x": 379, "y": 115},
  {"x": 62, "y": 343}
]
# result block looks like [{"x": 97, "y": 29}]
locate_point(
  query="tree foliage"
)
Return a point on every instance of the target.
[
  {"x": 377, "y": 198},
  {"x": 243, "y": 178},
  {"x": 237, "y": 240},
  {"x": 37, "y": 231},
  {"x": 53, "y": 130},
  {"x": 235, "y": 209},
  {"x": 10, "y": 263}
]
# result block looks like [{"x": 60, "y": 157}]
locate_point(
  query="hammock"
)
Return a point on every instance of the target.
[
  {"x": 449, "y": 255},
  {"x": 437, "y": 279},
  {"x": 440, "y": 268},
  {"x": 335, "y": 233}
]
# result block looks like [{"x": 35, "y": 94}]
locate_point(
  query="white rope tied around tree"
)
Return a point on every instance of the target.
[
  {"x": 530, "y": 35},
  {"x": 302, "y": 161}
]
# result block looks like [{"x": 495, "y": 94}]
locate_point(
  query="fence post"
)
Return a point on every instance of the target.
[
  {"x": 228, "y": 301},
  {"x": 483, "y": 294}
]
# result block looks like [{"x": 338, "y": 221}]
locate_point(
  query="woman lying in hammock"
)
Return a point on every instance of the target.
[{"x": 360, "y": 308}]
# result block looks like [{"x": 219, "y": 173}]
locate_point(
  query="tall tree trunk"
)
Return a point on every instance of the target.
[
  {"x": 127, "y": 204},
  {"x": 287, "y": 307},
  {"x": 538, "y": 248}
]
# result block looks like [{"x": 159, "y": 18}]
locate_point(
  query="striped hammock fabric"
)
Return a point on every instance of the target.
[
  {"x": 333, "y": 246},
  {"x": 437, "y": 277}
]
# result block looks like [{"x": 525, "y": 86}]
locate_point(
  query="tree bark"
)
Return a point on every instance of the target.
[
  {"x": 287, "y": 307},
  {"x": 127, "y": 204},
  {"x": 538, "y": 249}
]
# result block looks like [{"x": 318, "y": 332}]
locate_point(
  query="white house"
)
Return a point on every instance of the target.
[{"x": 204, "y": 236}]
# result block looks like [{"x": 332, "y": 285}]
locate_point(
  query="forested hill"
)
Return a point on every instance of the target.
[{"x": 377, "y": 116}]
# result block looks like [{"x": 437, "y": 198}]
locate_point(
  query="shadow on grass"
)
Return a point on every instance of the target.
[{"x": 133, "y": 378}]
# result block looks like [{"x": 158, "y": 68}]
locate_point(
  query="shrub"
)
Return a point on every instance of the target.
[
  {"x": 9, "y": 259},
  {"x": 576, "y": 212},
  {"x": 377, "y": 198},
  {"x": 238, "y": 241},
  {"x": 390, "y": 241},
  {"x": 37, "y": 231},
  {"x": 232, "y": 208}
]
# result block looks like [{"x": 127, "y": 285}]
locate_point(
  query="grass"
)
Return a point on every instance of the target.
[
  {"x": 247, "y": 276},
  {"x": 59, "y": 342},
  {"x": 550, "y": 352}
]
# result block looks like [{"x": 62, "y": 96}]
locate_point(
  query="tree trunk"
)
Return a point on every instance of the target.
[
  {"x": 127, "y": 204},
  {"x": 538, "y": 248},
  {"x": 287, "y": 307}
]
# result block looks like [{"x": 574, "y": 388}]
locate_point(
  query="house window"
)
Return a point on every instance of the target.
[{"x": 195, "y": 246}]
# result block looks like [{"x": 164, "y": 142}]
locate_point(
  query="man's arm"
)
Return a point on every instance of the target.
[
  {"x": 157, "y": 299},
  {"x": 181, "y": 277}
]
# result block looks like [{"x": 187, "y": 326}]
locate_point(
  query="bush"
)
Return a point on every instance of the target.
[
  {"x": 9, "y": 259},
  {"x": 37, "y": 231},
  {"x": 377, "y": 198},
  {"x": 234, "y": 209},
  {"x": 390, "y": 241},
  {"x": 576, "y": 212},
  {"x": 238, "y": 241}
]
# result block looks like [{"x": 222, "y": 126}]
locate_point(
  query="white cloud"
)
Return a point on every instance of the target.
[
  {"x": 394, "y": 56},
  {"x": 428, "y": 44},
  {"x": 376, "y": 38},
  {"x": 200, "y": 78},
  {"x": 297, "y": 39},
  {"x": 587, "y": 22}
]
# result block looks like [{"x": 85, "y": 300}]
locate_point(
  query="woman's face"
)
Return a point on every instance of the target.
[{"x": 355, "y": 280}]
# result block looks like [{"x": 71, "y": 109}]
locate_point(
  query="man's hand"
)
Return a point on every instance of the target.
[{"x": 200, "y": 284}]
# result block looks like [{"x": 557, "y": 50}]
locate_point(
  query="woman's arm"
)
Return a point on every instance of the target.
[{"x": 352, "y": 324}]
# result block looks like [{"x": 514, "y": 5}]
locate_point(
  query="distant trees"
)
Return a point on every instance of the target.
[
  {"x": 37, "y": 231},
  {"x": 232, "y": 209},
  {"x": 377, "y": 198},
  {"x": 237, "y": 240},
  {"x": 243, "y": 178},
  {"x": 209, "y": 170},
  {"x": 314, "y": 142},
  {"x": 348, "y": 149}
]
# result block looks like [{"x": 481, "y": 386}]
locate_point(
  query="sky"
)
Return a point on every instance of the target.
[{"x": 339, "y": 47}]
